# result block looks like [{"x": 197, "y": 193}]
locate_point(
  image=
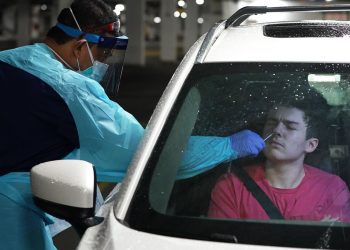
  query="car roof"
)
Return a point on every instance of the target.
[{"x": 249, "y": 43}]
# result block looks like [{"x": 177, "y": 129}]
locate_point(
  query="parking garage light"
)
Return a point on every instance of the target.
[
  {"x": 119, "y": 8},
  {"x": 181, "y": 3},
  {"x": 157, "y": 19},
  {"x": 43, "y": 7}
]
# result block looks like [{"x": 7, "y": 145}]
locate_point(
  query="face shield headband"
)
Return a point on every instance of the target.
[
  {"x": 117, "y": 42},
  {"x": 112, "y": 53}
]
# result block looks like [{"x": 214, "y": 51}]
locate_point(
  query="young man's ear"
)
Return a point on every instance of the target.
[{"x": 311, "y": 144}]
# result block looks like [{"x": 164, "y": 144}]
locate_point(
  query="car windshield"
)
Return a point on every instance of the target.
[{"x": 222, "y": 99}]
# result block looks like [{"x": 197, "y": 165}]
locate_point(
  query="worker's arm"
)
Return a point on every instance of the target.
[{"x": 205, "y": 152}]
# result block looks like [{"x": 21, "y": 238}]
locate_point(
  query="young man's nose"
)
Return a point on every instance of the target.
[{"x": 278, "y": 128}]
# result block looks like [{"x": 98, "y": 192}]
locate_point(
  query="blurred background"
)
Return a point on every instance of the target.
[{"x": 160, "y": 32}]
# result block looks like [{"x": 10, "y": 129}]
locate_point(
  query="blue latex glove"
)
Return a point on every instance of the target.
[{"x": 246, "y": 143}]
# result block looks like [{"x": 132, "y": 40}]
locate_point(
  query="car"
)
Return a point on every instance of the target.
[{"x": 225, "y": 83}]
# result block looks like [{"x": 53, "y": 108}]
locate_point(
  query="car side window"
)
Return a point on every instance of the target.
[
  {"x": 173, "y": 150},
  {"x": 220, "y": 100}
]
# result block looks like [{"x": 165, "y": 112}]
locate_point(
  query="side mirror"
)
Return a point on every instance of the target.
[{"x": 66, "y": 189}]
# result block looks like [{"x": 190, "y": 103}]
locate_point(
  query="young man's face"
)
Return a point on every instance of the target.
[{"x": 288, "y": 143}]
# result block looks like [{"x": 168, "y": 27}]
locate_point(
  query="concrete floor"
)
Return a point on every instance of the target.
[{"x": 139, "y": 92}]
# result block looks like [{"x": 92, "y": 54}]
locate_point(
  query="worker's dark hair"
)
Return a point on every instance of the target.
[{"x": 90, "y": 15}]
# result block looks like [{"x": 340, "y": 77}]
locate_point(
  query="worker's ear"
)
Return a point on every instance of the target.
[
  {"x": 311, "y": 144},
  {"x": 78, "y": 46}
]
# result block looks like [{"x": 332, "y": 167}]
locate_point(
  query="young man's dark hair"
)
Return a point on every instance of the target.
[
  {"x": 308, "y": 100},
  {"x": 90, "y": 14}
]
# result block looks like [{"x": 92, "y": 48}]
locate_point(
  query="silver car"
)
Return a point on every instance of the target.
[{"x": 233, "y": 78}]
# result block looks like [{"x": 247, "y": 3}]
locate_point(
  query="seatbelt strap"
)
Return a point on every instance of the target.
[{"x": 266, "y": 203}]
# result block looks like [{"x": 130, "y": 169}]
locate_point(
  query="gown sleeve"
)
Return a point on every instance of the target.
[{"x": 203, "y": 153}]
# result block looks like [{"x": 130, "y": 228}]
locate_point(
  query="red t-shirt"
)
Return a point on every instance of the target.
[{"x": 320, "y": 195}]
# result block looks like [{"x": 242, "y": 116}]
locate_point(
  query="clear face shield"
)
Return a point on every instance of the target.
[
  {"x": 108, "y": 60},
  {"x": 113, "y": 56}
]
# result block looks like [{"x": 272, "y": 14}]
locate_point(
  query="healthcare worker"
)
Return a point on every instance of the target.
[{"x": 55, "y": 106}]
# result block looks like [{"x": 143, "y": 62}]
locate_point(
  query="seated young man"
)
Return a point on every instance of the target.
[{"x": 299, "y": 191}]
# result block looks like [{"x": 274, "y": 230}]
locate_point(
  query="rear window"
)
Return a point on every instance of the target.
[{"x": 190, "y": 188}]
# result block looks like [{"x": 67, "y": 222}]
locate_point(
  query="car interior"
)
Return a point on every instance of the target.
[
  {"x": 227, "y": 108},
  {"x": 222, "y": 99}
]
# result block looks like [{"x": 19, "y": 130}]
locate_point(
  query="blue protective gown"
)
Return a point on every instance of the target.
[
  {"x": 108, "y": 137},
  {"x": 23, "y": 225}
]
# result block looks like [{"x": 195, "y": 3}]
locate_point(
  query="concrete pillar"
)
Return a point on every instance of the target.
[
  {"x": 211, "y": 14},
  {"x": 23, "y": 23},
  {"x": 191, "y": 25},
  {"x": 168, "y": 31},
  {"x": 135, "y": 30},
  {"x": 228, "y": 8},
  {"x": 9, "y": 21}
]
